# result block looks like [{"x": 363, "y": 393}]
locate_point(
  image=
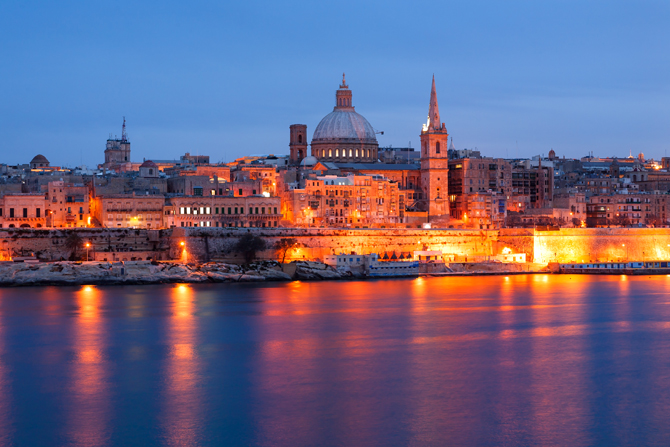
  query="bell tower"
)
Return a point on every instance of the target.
[
  {"x": 298, "y": 143},
  {"x": 435, "y": 162}
]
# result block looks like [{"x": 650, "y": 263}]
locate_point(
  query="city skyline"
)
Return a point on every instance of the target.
[{"x": 228, "y": 80}]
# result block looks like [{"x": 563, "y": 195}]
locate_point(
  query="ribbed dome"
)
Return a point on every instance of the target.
[{"x": 344, "y": 125}]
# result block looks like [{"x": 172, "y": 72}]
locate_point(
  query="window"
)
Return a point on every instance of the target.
[
  {"x": 256, "y": 210},
  {"x": 81, "y": 209},
  {"x": 230, "y": 212},
  {"x": 239, "y": 193},
  {"x": 235, "y": 210},
  {"x": 216, "y": 210},
  {"x": 37, "y": 212},
  {"x": 251, "y": 210},
  {"x": 263, "y": 210},
  {"x": 25, "y": 212},
  {"x": 299, "y": 138},
  {"x": 275, "y": 210},
  {"x": 197, "y": 191},
  {"x": 437, "y": 147},
  {"x": 181, "y": 210},
  {"x": 208, "y": 210}
]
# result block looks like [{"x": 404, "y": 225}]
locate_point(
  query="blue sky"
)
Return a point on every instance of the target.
[{"x": 514, "y": 78}]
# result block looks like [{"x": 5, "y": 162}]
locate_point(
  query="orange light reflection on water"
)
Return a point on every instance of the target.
[
  {"x": 181, "y": 418},
  {"x": 89, "y": 415}
]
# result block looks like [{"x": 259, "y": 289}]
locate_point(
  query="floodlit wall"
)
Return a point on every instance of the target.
[{"x": 601, "y": 244}]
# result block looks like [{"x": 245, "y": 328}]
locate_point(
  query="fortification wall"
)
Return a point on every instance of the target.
[
  {"x": 602, "y": 244},
  {"x": 564, "y": 245},
  {"x": 52, "y": 245},
  {"x": 217, "y": 243}
]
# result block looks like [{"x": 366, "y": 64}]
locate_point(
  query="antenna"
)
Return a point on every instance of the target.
[{"x": 124, "y": 136}]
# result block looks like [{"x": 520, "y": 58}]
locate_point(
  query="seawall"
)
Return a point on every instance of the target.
[{"x": 216, "y": 244}]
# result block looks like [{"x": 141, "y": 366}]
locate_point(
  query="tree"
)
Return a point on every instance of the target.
[
  {"x": 248, "y": 245},
  {"x": 72, "y": 243},
  {"x": 576, "y": 222},
  {"x": 284, "y": 245},
  {"x": 620, "y": 220}
]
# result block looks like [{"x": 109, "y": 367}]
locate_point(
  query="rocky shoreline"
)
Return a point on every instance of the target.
[
  {"x": 146, "y": 272},
  {"x": 16, "y": 274}
]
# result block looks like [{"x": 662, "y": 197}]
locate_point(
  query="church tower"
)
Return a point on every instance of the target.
[
  {"x": 435, "y": 162},
  {"x": 298, "y": 143}
]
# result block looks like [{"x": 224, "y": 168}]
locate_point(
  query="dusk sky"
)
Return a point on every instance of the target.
[{"x": 226, "y": 79}]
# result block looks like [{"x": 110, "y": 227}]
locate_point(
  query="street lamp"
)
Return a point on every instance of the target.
[
  {"x": 624, "y": 245},
  {"x": 88, "y": 245}
]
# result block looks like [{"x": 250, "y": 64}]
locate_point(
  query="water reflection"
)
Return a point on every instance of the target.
[
  {"x": 182, "y": 417},
  {"x": 89, "y": 412},
  {"x": 6, "y": 429},
  {"x": 522, "y": 360}
]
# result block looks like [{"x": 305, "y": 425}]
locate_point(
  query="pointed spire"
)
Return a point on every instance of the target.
[
  {"x": 433, "y": 111},
  {"x": 451, "y": 145}
]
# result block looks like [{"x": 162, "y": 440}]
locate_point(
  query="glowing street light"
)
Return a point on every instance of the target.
[{"x": 88, "y": 245}]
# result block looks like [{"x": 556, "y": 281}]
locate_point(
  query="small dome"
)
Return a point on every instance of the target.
[
  {"x": 309, "y": 161},
  {"x": 39, "y": 158},
  {"x": 148, "y": 164},
  {"x": 344, "y": 126}
]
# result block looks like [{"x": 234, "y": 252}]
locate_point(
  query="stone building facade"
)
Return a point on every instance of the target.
[
  {"x": 128, "y": 211},
  {"x": 223, "y": 211},
  {"x": 68, "y": 205},
  {"x": 19, "y": 210},
  {"x": 354, "y": 201}
]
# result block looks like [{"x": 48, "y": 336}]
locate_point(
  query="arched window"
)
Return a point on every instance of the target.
[
  {"x": 330, "y": 152},
  {"x": 437, "y": 147},
  {"x": 356, "y": 153},
  {"x": 337, "y": 152},
  {"x": 351, "y": 153}
]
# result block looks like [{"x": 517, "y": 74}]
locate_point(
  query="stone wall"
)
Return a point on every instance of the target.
[
  {"x": 51, "y": 245},
  {"x": 216, "y": 243},
  {"x": 602, "y": 244}
]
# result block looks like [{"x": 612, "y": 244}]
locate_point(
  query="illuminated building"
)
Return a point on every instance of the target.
[
  {"x": 68, "y": 205},
  {"x": 128, "y": 210},
  {"x": 352, "y": 201},
  {"x": 22, "y": 211},
  {"x": 223, "y": 211}
]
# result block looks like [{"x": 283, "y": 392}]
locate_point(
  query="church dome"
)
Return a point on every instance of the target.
[
  {"x": 344, "y": 125},
  {"x": 39, "y": 158},
  {"x": 148, "y": 164},
  {"x": 344, "y": 135}
]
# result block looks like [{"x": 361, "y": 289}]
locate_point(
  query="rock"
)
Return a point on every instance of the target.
[
  {"x": 307, "y": 270},
  {"x": 274, "y": 275}
]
